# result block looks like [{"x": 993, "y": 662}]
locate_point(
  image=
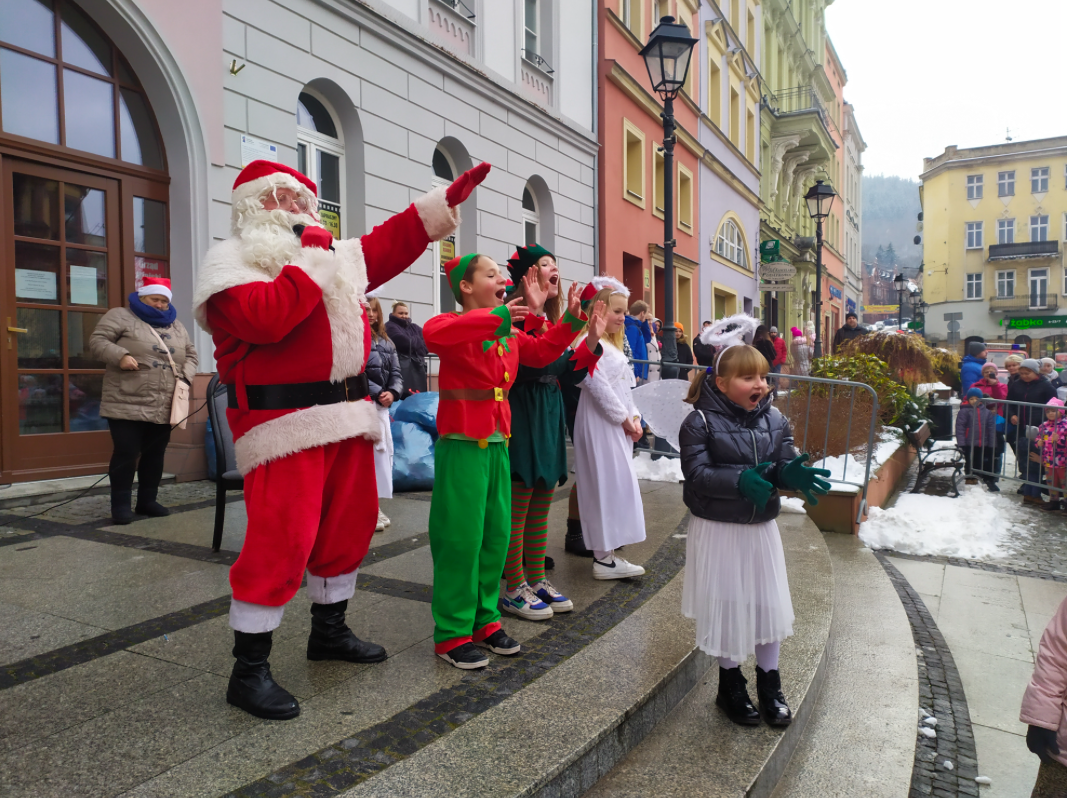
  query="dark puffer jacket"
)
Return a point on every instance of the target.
[
  {"x": 383, "y": 369},
  {"x": 733, "y": 441}
]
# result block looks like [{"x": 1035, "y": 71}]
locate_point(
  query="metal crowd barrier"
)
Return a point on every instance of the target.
[{"x": 1018, "y": 441}]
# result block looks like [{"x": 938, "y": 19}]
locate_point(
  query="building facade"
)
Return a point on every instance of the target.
[
  {"x": 995, "y": 219},
  {"x": 852, "y": 202},
  {"x": 137, "y": 115},
  {"x": 631, "y": 167},
  {"x": 727, "y": 58},
  {"x": 798, "y": 146}
]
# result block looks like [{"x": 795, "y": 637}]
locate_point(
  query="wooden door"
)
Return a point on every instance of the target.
[{"x": 61, "y": 271}]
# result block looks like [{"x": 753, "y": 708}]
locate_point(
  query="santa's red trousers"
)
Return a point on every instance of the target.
[{"x": 313, "y": 510}]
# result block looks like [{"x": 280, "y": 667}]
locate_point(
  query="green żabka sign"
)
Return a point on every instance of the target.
[{"x": 1034, "y": 322}]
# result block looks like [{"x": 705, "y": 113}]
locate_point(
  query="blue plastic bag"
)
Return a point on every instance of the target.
[
  {"x": 421, "y": 409},
  {"x": 412, "y": 457}
]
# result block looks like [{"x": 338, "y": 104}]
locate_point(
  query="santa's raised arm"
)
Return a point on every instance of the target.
[{"x": 283, "y": 302}]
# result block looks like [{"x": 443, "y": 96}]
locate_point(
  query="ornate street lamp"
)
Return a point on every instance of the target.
[
  {"x": 899, "y": 282},
  {"x": 819, "y": 198},
  {"x": 918, "y": 307},
  {"x": 667, "y": 56}
]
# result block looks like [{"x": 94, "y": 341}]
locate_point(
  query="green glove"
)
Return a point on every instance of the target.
[
  {"x": 794, "y": 475},
  {"x": 754, "y": 487}
]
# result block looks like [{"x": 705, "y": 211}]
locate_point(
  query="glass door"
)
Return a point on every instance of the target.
[
  {"x": 61, "y": 272},
  {"x": 1038, "y": 289}
]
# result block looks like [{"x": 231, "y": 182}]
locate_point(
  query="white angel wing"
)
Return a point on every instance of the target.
[{"x": 662, "y": 406}]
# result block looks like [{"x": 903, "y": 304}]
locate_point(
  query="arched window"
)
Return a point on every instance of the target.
[
  {"x": 531, "y": 219},
  {"x": 730, "y": 244},
  {"x": 319, "y": 155},
  {"x": 444, "y": 172}
]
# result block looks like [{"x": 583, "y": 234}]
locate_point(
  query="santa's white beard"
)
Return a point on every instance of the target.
[{"x": 267, "y": 237}]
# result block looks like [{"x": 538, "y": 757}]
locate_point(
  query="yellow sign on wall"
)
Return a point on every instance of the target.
[
  {"x": 448, "y": 250},
  {"x": 330, "y": 216},
  {"x": 880, "y": 308}
]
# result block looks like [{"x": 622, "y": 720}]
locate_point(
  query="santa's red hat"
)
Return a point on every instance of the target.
[
  {"x": 259, "y": 177},
  {"x": 156, "y": 286}
]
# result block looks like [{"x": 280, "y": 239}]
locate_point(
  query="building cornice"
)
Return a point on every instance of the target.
[{"x": 995, "y": 154}]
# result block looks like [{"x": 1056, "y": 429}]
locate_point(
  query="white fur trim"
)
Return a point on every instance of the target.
[
  {"x": 223, "y": 268},
  {"x": 602, "y": 281},
  {"x": 261, "y": 185},
  {"x": 320, "y": 265},
  {"x": 306, "y": 429},
  {"x": 254, "y": 618},
  {"x": 331, "y": 589},
  {"x": 437, "y": 217}
]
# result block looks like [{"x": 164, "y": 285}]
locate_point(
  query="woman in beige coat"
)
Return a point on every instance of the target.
[{"x": 138, "y": 390}]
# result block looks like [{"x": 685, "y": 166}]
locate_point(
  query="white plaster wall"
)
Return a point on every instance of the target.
[
  {"x": 576, "y": 37},
  {"x": 500, "y": 38}
]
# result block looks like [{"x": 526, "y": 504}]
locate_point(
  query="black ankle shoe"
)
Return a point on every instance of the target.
[
  {"x": 574, "y": 543},
  {"x": 733, "y": 697},
  {"x": 120, "y": 507},
  {"x": 465, "y": 657},
  {"x": 252, "y": 688},
  {"x": 151, "y": 508},
  {"x": 993, "y": 486},
  {"x": 499, "y": 643},
  {"x": 550, "y": 564},
  {"x": 772, "y": 705},
  {"x": 332, "y": 639}
]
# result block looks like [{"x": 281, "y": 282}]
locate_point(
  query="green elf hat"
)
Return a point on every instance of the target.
[
  {"x": 523, "y": 259},
  {"x": 455, "y": 269}
]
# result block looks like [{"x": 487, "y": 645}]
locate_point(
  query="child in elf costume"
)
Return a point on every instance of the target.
[
  {"x": 538, "y": 447},
  {"x": 471, "y": 508}
]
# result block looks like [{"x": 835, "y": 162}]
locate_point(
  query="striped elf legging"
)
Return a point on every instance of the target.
[{"x": 529, "y": 534}]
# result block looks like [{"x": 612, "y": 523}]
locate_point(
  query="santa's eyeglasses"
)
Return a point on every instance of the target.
[{"x": 287, "y": 201}]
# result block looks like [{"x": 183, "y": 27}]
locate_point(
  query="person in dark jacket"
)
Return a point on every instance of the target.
[
  {"x": 737, "y": 453},
  {"x": 406, "y": 335},
  {"x": 685, "y": 354},
  {"x": 971, "y": 365},
  {"x": 1032, "y": 388},
  {"x": 638, "y": 335},
  {"x": 976, "y": 435},
  {"x": 765, "y": 346},
  {"x": 851, "y": 330},
  {"x": 703, "y": 353},
  {"x": 386, "y": 386}
]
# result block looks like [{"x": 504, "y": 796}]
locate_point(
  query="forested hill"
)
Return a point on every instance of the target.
[{"x": 890, "y": 211}]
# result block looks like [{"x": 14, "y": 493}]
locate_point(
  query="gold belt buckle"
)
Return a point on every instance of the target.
[
  {"x": 498, "y": 394},
  {"x": 346, "y": 391}
]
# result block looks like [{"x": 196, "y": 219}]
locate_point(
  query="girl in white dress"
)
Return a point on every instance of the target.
[
  {"x": 737, "y": 452},
  {"x": 605, "y": 428}
]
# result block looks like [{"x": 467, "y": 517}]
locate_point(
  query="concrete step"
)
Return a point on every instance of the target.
[
  {"x": 696, "y": 750},
  {"x": 46, "y": 491},
  {"x": 860, "y": 739}
]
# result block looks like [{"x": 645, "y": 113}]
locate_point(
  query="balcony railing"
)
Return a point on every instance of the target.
[
  {"x": 459, "y": 7},
  {"x": 1025, "y": 249},
  {"x": 537, "y": 61},
  {"x": 798, "y": 100},
  {"x": 1023, "y": 304}
]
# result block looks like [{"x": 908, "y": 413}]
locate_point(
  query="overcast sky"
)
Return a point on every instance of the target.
[{"x": 926, "y": 74}]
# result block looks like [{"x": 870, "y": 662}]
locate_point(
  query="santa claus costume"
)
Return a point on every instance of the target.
[{"x": 283, "y": 302}]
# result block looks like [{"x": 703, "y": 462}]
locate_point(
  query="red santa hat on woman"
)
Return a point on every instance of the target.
[
  {"x": 260, "y": 177},
  {"x": 156, "y": 286}
]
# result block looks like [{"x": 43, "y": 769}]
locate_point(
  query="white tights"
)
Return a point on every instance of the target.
[{"x": 766, "y": 657}]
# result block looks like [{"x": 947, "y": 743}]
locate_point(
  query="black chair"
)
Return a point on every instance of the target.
[{"x": 227, "y": 476}]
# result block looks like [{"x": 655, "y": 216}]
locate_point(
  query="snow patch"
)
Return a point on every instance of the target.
[
  {"x": 930, "y": 721},
  {"x": 978, "y": 525},
  {"x": 985, "y": 781},
  {"x": 791, "y": 504},
  {"x": 850, "y": 468},
  {"x": 927, "y": 731},
  {"x": 666, "y": 469},
  {"x": 929, "y": 387}
]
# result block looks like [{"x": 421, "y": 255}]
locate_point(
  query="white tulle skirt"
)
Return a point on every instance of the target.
[
  {"x": 383, "y": 455},
  {"x": 735, "y": 587}
]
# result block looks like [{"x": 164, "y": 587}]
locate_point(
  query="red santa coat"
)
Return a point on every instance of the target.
[{"x": 304, "y": 322}]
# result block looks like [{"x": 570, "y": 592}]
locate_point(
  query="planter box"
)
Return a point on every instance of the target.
[{"x": 836, "y": 512}]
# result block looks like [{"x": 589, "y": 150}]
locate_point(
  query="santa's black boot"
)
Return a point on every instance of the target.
[
  {"x": 733, "y": 697},
  {"x": 252, "y": 688},
  {"x": 772, "y": 705},
  {"x": 332, "y": 639},
  {"x": 574, "y": 543}
]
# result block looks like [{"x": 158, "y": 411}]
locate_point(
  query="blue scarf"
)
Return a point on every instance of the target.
[{"x": 149, "y": 315}]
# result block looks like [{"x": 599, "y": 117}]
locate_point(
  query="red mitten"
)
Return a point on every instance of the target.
[
  {"x": 316, "y": 237},
  {"x": 465, "y": 184}
]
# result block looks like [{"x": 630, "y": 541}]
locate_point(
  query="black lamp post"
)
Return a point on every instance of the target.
[
  {"x": 899, "y": 281},
  {"x": 917, "y": 304},
  {"x": 819, "y": 198},
  {"x": 667, "y": 56}
]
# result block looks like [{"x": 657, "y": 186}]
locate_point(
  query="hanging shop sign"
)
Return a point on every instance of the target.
[
  {"x": 1031, "y": 322},
  {"x": 850, "y": 305},
  {"x": 778, "y": 271},
  {"x": 880, "y": 308},
  {"x": 769, "y": 250},
  {"x": 835, "y": 292}
]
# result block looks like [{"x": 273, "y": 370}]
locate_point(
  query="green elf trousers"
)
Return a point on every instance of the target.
[{"x": 470, "y": 527}]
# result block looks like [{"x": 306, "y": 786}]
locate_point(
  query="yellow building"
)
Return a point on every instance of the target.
[{"x": 993, "y": 221}]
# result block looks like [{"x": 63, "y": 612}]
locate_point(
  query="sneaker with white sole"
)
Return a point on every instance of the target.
[
  {"x": 383, "y": 521},
  {"x": 465, "y": 657},
  {"x": 552, "y": 597},
  {"x": 615, "y": 568},
  {"x": 524, "y": 603},
  {"x": 499, "y": 643}
]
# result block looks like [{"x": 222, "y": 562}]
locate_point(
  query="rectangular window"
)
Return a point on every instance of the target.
[
  {"x": 735, "y": 117},
  {"x": 1006, "y": 184},
  {"x": 633, "y": 163},
  {"x": 657, "y": 12},
  {"x": 1006, "y": 284},
  {"x": 715, "y": 89},
  {"x": 750, "y": 136},
  {"x": 974, "y": 187},
  {"x": 735, "y": 15},
  {"x": 1038, "y": 288},
  {"x": 685, "y": 199},
  {"x": 1005, "y": 231},
  {"x": 750, "y": 34},
  {"x": 1039, "y": 228},
  {"x": 530, "y": 22},
  {"x": 631, "y": 15},
  {"x": 658, "y": 204},
  {"x": 974, "y": 235},
  {"x": 1039, "y": 180},
  {"x": 974, "y": 286}
]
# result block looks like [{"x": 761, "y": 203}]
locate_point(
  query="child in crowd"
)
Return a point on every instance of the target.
[
  {"x": 538, "y": 447},
  {"x": 1052, "y": 438},
  {"x": 606, "y": 426},
  {"x": 991, "y": 386},
  {"x": 976, "y": 436},
  {"x": 386, "y": 386},
  {"x": 470, "y": 511},
  {"x": 737, "y": 453}
]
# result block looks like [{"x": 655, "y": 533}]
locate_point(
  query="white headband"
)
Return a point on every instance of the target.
[
  {"x": 729, "y": 332},
  {"x": 602, "y": 281}
]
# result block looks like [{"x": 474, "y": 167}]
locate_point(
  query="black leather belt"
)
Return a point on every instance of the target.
[{"x": 297, "y": 395}]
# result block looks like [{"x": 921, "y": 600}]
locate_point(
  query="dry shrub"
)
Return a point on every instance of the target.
[
  {"x": 807, "y": 412},
  {"x": 910, "y": 359}
]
